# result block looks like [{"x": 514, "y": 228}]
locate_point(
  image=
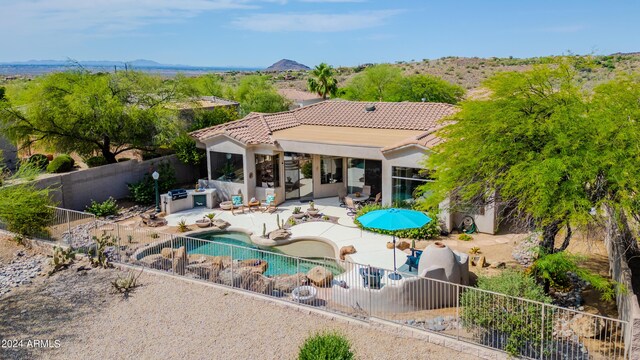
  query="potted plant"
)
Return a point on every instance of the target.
[
  {"x": 312, "y": 211},
  {"x": 297, "y": 212}
]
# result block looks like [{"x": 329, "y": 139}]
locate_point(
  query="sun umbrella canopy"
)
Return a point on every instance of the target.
[{"x": 394, "y": 219}]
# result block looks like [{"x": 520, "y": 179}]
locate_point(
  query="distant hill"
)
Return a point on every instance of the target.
[
  {"x": 285, "y": 64},
  {"x": 134, "y": 63}
]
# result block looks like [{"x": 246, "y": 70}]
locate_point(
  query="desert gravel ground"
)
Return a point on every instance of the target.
[{"x": 169, "y": 318}]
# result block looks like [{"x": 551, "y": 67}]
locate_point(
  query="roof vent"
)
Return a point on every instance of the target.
[{"x": 370, "y": 108}]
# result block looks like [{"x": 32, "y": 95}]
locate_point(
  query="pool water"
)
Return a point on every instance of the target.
[{"x": 239, "y": 246}]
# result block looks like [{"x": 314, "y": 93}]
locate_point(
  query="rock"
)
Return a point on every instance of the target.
[
  {"x": 482, "y": 262},
  {"x": 166, "y": 253},
  {"x": 180, "y": 261},
  {"x": 258, "y": 265},
  {"x": 229, "y": 278},
  {"x": 279, "y": 234},
  {"x": 345, "y": 250},
  {"x": 389, "y": 245},
  {"x": 498, "y": 265},
  {"x": 219, "y": 224},
  {"x": 156, "y": 261},
  {"x": 256, "y": 282},
  {"x": 320, "y": 276},
  {"x": 586, "y": 327},
  {"x": 220, "y": 262},
  {"x": 286, "y": 283},
  {"x": 403, "y": 245}
]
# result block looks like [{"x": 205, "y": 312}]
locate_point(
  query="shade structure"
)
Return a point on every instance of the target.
[{"x": 394, "y": 219}]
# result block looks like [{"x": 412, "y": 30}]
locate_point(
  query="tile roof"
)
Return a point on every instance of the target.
[{"x": 257, "y": 128}]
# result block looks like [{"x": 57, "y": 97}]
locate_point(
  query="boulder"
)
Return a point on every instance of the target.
[
  {"x": 256, "y": 282},
  {"x": 229, "y": 278},
  {"x": 389, "y": 245},
  {"x": 279, "y": 234},
  {"x": 346, "y": 250},
  {"x": 257, "y": 265},
  {"x": 286, "y": 283},
  {"x": 156, "y": 261},
  {"x": 586, "y": 327},
  {"x": 220, "y": 262},
  {"x": 166, "y": 253},
  {"x": 320, "y": 276},
  {"x": 403, "y": 245},
  {"x": 219, "y": 224},
  {"x": 482, "y": 262},
  {"x": 498, "y": 265},
  {"x": 180, "y": 260}
]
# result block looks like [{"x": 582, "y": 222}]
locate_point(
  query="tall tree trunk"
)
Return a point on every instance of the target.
[
  {"x": 549, "y": 233},
  {"x": 106, "y": 151}
]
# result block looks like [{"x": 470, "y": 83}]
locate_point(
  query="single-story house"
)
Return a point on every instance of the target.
[
  {"x": 299, "y": 98},
  {"x": 316, "y": 150}
]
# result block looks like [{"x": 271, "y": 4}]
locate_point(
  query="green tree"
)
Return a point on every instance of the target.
[
  {"x": 207, "y": 85},
  {"x": 549, "y": 149},
  {"x": 322, "y": 81},
  {"x": 375, "y": 83},
  {"x": 430, "y": 89},
  {"x": 77, "y": 111},
  {"x": 256, "y": 94}
]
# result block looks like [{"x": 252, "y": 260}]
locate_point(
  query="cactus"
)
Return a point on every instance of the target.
[
  {"x": 278, "y": 221},
  {"x": 62, "y": 259},
  {"x": 98, "y": 256},
  {"x": 312, "y": 205},
  {"x": 413, "y": 243},
  {"x": 264, "y": 230},
  {"x": 282, "y": 225},
  {"x": 182, "y": 226}
]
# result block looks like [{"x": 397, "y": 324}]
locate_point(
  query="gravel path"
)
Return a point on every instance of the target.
[{"x": 172, "y": 319}]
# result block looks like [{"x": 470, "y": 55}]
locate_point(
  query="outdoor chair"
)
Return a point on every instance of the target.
[
  {"x": 342, "y": 193},
  {"x": 366, "y": 190},
  {"x": 237, "y": 202},
  {"x": 352, "y": 207},
  {"x": 371, "y": 277},
  {"x": 377, "y": 200},
  {"x": 269, "y": 204},
  {"x": 414, "y": 259}
]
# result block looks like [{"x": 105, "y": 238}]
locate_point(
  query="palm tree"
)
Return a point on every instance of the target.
[{"x": 322, "y": 81}]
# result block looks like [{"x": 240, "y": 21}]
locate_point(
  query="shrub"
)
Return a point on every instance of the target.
[
  {"x": 182, "y": 226},
  {"x": 126, "y": 285},
  {"x": 428, "y": 231},
  {"x": 61, "y": 164},
  {"x": 39, "y": 161},
  {"x": 106, "y": 208},
  {"x": 95, "y": 161},
  {"x": 326, "y": 346},
  {"x": 25, "y": 210},
  {"x": 143, "y": 192},
  {"x": 509, "y": 324},
  {"x": 554, "y": 268},
  {"x": 465, "y": 237}
]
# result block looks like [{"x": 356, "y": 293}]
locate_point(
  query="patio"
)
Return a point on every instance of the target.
[{"x": 371, "y": 247}]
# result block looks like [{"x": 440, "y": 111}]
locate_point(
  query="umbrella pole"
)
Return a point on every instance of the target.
[{"x": 394, "y": 275}]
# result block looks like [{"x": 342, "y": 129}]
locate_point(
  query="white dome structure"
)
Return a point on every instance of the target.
[{"x": 439, "y": 262}]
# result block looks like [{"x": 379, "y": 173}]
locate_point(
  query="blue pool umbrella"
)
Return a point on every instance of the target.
[{"x": 394, "y": 219}]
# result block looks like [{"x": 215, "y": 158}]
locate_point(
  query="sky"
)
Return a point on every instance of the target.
[{"x": 257, "y": 33}]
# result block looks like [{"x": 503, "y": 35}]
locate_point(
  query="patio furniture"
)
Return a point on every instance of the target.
[
  {"x": 352, "y": 207},
  {"x": 371, "y": 277},
  {"x": 304, "y": 294},
  {"x": 366, "y": 190},
  {"x": 414, "y": 259},
  {"x": 269, "y": 203},
  {"x": 342, "y": 193},
  {"x": 358, "y": 197},
  {"x": 203, "y": 223},
  {"x": 377, "y": 200},
  {"x": 253, "y": 203},
  {"x": 237, "y": 202}
]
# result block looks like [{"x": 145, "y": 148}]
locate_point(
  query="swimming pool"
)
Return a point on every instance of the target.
[{"x": 239, "y": 246}]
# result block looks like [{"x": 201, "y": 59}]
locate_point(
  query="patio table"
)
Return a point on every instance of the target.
[{"x": 360, "y": 198}]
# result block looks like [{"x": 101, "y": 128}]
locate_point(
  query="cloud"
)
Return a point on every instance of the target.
[
  {"x": 104, "y": 16},
  {"x": 313, "y": 22},
  {"x": 563, "y": 29}
]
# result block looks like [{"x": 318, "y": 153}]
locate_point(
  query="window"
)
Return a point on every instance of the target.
[
  {"x": 330, "y": 169},
  {"x": 405, "y": 182},
  {"x": 226, "y": 167},
  {"x": 361, "y": 172},
  {"x": 267, "y": 171}
]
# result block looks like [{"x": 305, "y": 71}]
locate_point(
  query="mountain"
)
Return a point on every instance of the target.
[{"x": 286, "y": 64}]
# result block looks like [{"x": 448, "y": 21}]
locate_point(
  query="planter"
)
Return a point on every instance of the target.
[
  {"x": 298, "y": 216},
  {"x": 203, "y": 223},
  {"x": 313, "y": 213},
  {"x": 304, "y": 294}
]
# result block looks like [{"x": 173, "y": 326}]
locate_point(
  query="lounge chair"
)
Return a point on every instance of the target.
[
  {"x": 377, "y": 200},
  {"x": 269, "y": 204},
  {"x": 366, "y": 190},
  {"x": 342, "y": 193},
  {"x": 371, "y": 277},
  {"x": 238, "y": 203}
]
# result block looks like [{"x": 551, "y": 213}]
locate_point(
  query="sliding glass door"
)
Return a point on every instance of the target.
[
  {"x": 298, "y": 173},
  {"x": 361, "y": 172}
]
